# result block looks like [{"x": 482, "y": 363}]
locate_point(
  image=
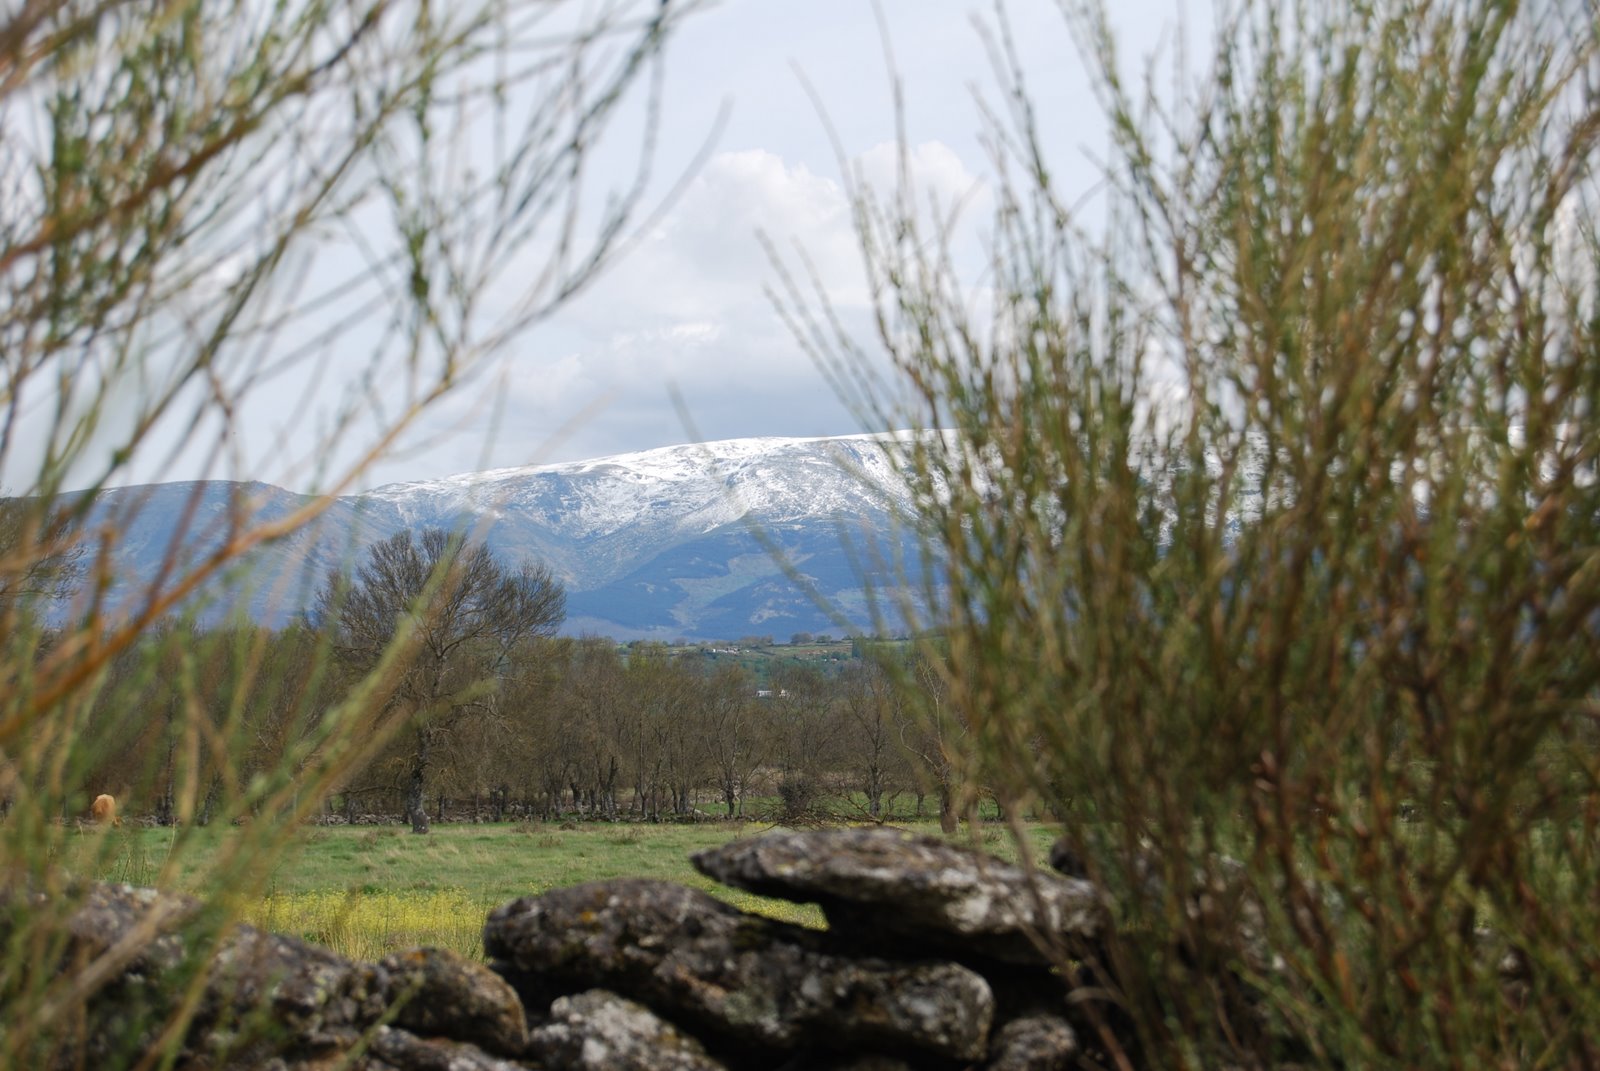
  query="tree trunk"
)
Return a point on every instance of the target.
[
  {"x": 166, "y": 806},
  {"x": 947, "y": 812},
  {"x": 210, "y": 803},
  {"x": 874, "y": 791},
  {"x": 416, "y": 811}
]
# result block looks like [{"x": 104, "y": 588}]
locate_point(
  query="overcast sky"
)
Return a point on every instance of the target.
[{"x": 686, "y": 311}]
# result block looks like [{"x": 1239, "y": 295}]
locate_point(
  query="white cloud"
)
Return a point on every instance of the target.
[
  {"x": 935, "y": 170},
  {"x": 686, "y": 312},
  {"x": 686, "y": 308}
]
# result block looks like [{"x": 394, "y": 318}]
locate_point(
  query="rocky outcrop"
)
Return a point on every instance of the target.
[
  {"x": 753, "y": 983},
  {"x": 600, "y": 1031},
  {"x": 441, "y": 994},
  {"x": 264, "y": 1000},
  {"x": 404, "y": 1051},
  {"x": 929, "y": 962},
  {"x": 1032, "y": 1043},
  {"x": 879, "y": 884}
]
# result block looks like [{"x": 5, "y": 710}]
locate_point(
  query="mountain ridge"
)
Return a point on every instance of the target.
[{"x": 678, "y": 541}]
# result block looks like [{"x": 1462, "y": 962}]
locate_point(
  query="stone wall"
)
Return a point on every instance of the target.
[{"x": 931, "y": 959}]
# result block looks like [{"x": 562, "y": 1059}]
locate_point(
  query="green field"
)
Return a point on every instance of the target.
[{"x": 364, "y": 891}]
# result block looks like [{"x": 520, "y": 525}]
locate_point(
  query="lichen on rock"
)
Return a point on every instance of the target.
[
  {"x": 888, "y": 887},
  {"x": 750, "y": 980}
]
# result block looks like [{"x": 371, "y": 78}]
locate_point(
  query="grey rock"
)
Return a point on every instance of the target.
[
  {"x": 373, "y": 1049},
  {"x": 1066, "y": 859},
  {"x": 747, "y": 979},
  {"x": 600, "y": 1031},
  {"x": 1033, "y": 1043},
  {"x": 882, "y": 882},
  {"x": 442, "y": 994},
  {"x": 1223, "y": 904},
  {"x": 407, "y": 1052},
  {"x": 837, "y": 1061},
  {"x": 298, "y": 989},
  {"x": 138, "y": 951},
  {"x": 103, "y": 920},
  {"x": 266, "y": 1000},
  {"x": 382, "y": 1048},
  {"x": 378, "y": 1049},
  {"x": 340, "y": 1058},
  {"x": 1227, "y": 905}
]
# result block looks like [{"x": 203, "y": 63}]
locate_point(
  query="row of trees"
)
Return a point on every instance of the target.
[
  {"x": 477, "y": 701},
  {"x": 650, "y": 735},
  {"x": 574, "y": 727},
  {"x": 458, "y": 628}
]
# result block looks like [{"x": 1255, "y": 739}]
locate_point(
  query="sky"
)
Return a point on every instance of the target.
[{"x": 685, "y": 317}]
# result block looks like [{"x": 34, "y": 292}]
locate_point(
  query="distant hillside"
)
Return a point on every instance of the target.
[{"x": 671, "y": 543}]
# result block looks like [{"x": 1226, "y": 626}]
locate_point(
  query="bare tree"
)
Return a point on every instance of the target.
[
  {"x": 464, "y": 618},
  {"x": 933, "y": 734},
  {"x": 662, "y": 749},
  {"x": 805, "y": 727},
  {"x": 735, "y": 737},
  {"x": 875, "y": 709}
]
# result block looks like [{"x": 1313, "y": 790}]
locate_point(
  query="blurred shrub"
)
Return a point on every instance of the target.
[{"x": 1268, "y": 504}]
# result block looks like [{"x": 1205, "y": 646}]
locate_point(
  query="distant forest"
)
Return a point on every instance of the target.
[{"x": 558, "y": 727}]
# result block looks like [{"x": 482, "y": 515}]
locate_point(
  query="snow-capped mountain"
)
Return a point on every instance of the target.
[{"x": 687, "y": 541}]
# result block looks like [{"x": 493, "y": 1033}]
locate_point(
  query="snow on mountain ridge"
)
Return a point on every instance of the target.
[
  {"x": 660, "y": 462},
  {"x": 670, "y": 542},
  {"x": 693, "y": 488}
]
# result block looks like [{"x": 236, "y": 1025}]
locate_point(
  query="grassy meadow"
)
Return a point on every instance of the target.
[{"x": 364, "y": 891}]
